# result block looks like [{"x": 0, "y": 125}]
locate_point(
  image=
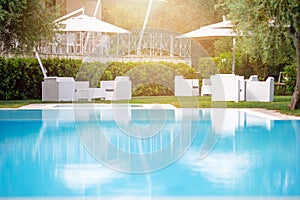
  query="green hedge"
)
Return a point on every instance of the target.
[
  {"x": 21, "y": 77},
  {"x": 290, "y": 77},
  {"x": 148, "y": 79}
]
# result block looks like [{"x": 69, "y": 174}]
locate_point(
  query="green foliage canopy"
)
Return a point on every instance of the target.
[
  {"x": 175, "y": 15},
  {"x": 269, "y": 30},
  {"x": 265, "y": 28},
  {"x": 23, "y": 23}
]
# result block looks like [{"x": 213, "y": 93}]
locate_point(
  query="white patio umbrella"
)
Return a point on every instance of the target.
[
  {"x": 210, "y": 33},
  {"x": 220, "y": 29},
  {"x": 84, "y": 23},
  {"x": 90, "y": 24},
  {"x": 224, "y": 24}
]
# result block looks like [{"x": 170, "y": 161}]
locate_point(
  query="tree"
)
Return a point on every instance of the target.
[
  {"x": 24, "y": 24},
  {"x": 175, "y": 15},
  {"x": 269, "y": 26}
]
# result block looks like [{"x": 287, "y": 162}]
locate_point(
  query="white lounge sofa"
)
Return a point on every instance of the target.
[
  {"x": 227, "y": 87},
  {"x": 67, "y": 89},
  {"x": 186, "y": 87},
  {"x": 58, "y": 88},
  {"x": 206, "y": 87},
  {"x": 259, "y": 90},
  {"x": 84, "y": 92},
  {"x": 119, "y": 89}
]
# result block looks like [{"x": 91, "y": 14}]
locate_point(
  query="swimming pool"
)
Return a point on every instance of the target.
[{"x": 148, "y": 153}]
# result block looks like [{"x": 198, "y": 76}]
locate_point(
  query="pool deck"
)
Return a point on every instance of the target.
[
  {"x": 276, "y": 114},
  {"x": 270, "y": 114},
  {"x": 70, "y": 106}
]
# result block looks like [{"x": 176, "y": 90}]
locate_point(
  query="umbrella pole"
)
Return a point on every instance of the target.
[
  {"x": 67, "y": 43},
  {"x": 88, "y": 34},
  {"x": 97, "y": 8},
  {"x": 233, "y": 55},
  {"x": 144, "y": 27},
  {"x": 40, "y": 62},
  {"x": 86, "y": 42},
  {"x": 81, "y": 43}
]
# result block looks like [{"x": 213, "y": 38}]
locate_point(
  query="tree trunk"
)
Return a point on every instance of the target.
[{"x": 295, "y": 102}]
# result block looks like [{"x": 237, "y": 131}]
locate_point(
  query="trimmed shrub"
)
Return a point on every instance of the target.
[
  {"x": 148, "y": 79},
  {"x": 290, "y": 77},
  {"x": 21, "y": 78}
]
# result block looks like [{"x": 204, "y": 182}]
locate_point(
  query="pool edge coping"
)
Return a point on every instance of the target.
[{"x": 262, "y": 112}]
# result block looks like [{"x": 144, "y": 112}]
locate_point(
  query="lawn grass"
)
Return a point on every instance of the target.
[
  {"x": 17, "y": 103},
  {"x": 280, "y": 103}
]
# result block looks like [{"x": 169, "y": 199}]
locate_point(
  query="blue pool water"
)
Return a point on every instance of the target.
[{"x": 160, "y": 153}]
